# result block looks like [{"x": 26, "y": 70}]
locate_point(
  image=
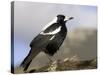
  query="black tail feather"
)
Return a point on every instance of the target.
[
  {"x": 27, "y": 66},
  {"x": 26, "y": 62}
]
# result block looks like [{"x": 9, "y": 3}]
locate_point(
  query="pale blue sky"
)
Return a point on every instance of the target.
[{"x": 30, "y": 18}]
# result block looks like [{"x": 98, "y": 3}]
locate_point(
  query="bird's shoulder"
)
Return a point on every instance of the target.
[{"x": 52, "y": 27}]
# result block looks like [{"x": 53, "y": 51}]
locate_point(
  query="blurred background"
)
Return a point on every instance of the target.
[{"x": 30, "y": 18}]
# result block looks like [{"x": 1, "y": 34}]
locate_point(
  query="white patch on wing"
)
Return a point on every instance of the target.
[
  {"x": 53, "y": 21},
  {"x": 52, "y": 37},
  {"x": 53, "y": 32}
]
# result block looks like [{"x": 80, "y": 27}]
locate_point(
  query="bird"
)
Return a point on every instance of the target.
[{"x": 48, "y": 40}]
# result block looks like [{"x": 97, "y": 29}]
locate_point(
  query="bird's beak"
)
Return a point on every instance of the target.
[
  {"x": 71, "y": 18},
  {"x": 68, "y": 18}
]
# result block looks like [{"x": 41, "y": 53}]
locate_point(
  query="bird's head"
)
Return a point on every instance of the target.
[{"x": 62, "y": 18}]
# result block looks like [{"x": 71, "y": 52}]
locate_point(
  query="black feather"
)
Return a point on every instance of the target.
[
  {"x": 31, "y": 55},
  {"x": 43, "y": 42}
]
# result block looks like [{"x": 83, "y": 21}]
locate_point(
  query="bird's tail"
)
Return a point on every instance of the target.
[{"x": 26, "y": 62}]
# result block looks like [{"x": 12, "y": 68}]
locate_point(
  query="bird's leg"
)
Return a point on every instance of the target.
[{"x": 49, "y": 58}]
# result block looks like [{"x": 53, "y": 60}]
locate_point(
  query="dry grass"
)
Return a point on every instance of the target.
[{"x": 67, "y": 64}]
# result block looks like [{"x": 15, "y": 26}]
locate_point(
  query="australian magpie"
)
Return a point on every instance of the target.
[{"x": 48, "y": 40}]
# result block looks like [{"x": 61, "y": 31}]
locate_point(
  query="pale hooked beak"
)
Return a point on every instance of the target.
[
  {"x": 71, "y": 18},
  {"x": 68, "y": 18}
]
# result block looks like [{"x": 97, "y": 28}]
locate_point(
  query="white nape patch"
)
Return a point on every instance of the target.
[
  {"x": 53, "y": 32},
  {"x": 50, "y": 23},
  {"x": 52, "y": 37}
]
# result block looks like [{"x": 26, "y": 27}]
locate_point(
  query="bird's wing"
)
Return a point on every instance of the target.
[
  {"x": 45, "y": 36},
  {"x": 51, "y": 28},
  {"x": 37, "y": 45},
  {"x": 40, "y": 41}
]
